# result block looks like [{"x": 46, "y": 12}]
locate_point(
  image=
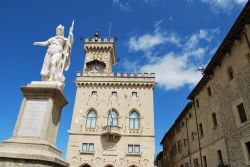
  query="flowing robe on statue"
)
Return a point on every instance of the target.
[{"x": 53, "y": 58}]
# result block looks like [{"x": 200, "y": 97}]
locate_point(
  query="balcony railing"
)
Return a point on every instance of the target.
[{"x": 111, "y": 132}]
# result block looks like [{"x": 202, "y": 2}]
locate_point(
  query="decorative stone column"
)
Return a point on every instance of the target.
[{"x": 34, "y": 137}]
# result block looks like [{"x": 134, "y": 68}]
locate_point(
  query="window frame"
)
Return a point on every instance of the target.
[
  {"x": 201, "y": 131},
  {"x": 240, "y": 113},
  {"x": 94, "y": 93},
  {"x": 88, "y": 118},
  {"x": 88, "y": 147},
  {"x": 214, "y": 120},
  {"x": 134, "y": 120},
  {"x": 132, "y": 149},
  {"x": 134, "y": 93},
  {"x": 209, "y": 91},
  {"x": 114, "y": 94}
]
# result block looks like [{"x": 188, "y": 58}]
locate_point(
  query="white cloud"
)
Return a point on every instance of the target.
[
  {"x": 192, "y": 44},
  {"x": 173, "y": 71},
  {"x": 148, "y": 41},
  {"x": 225, "y": 5},
  {"x": 177, "y": 68}
]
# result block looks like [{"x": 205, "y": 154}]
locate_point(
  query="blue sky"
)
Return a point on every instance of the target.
[{"x": 169, "y": 37}]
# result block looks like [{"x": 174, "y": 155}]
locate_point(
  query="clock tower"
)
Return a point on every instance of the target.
[{"x": 99, "y": 55}]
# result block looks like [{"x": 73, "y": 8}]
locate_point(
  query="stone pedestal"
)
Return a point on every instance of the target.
[{"x": 34, "y": 137}]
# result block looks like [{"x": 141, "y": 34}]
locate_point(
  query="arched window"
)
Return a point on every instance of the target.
[
  {"x": 134, "y": 120},
  {"x": 112, "y": 119},
  {"x": 91, "y": 119}
]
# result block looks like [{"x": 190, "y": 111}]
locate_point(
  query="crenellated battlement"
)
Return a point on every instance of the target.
[
  {"x": 117, "y": 74},
  {"x": 98, "y": 40}
]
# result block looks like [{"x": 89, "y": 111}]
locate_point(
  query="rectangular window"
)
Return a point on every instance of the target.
[
  {"x": 91, "y": 147},
  {"x": 201, "y": 130},
  {"x": 197, "y": 103},
  {"x": 134, "y": 94},
  {"x": 209, "y": 92},
  {"x": 84, "y": 147},
  {"x": 130, "y": 148},
  {"x": 205, "y": 161},
  {"x": 220, "y": 158},
  {"x": 242, "y": 113},
  {"x": 215, "y": 123},
  {"x": 134, "y": 148},
  {"x": 88, "y": 147},
  {"x": 114, "y": 94},
  {"x": 248, "y": 149},
  {"x": 94, "y": 93},
  {"x": 137, "y": 148}
]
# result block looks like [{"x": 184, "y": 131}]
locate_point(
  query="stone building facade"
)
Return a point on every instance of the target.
[
  {"x": 113, "y": 118},
  {"x": 214, "y": 127}
]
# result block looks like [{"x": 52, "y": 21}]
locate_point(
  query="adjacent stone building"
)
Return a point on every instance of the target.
[
  {"x": 214, "y": 127},
  {"x": 113, "y": 118}
]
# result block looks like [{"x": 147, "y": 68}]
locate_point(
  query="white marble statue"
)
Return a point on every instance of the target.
[{"x": 57, "y": 57}]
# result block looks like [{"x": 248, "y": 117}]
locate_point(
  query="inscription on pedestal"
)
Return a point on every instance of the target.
[{"x": 33, "y": 118}]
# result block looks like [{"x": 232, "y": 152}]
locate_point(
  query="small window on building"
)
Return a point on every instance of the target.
[
  {"x": 186, "y": 164},
  {"x": 242, "y": 113},
  {"x": 201, "y": 130},
  {"x": 230, "y": 73},
  {"x": 134, "y": 94},
  {"x": 91, "y": 147},
  {"x": 114, "y": 94},
  {"x": 209, "y": 92},
  {"x": 88, "y": 147},
  {"x": 130, "y": 148},
  {"x": 197, "y": 103},
  {"x": 214, "y": 119},
  {"x": 94, "y": 93},
  {"x": 248, "y": 149},
  {"x": 84, "y": 147},
  {"x": 205, "y": 161},
  {"x": 220, "y": 158},
  {"x": 137, "y": 148},
  {"x": 134, "y": 148}
]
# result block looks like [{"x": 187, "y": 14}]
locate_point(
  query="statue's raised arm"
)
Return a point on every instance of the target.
[
  {"x": 57, "y": 57},
  {"x": 41, "y": 43}
]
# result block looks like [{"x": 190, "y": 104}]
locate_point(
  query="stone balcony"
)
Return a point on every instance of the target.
[{"x": 111, "y": 132}]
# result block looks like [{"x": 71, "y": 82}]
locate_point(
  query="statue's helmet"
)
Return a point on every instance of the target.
[{"x": 60, "y": 30}]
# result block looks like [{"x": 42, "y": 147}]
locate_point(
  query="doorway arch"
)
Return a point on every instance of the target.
[{"x": 85, "y": 165}]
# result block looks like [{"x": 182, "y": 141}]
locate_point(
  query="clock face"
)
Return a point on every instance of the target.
[{"x": 96, "y": 67}]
